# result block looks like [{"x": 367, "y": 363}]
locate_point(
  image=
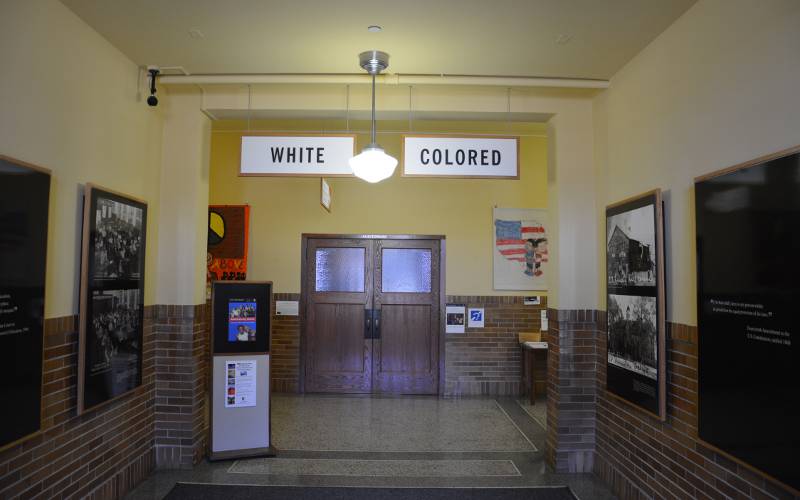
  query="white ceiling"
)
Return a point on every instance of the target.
[{"x": 466, "y": 37}]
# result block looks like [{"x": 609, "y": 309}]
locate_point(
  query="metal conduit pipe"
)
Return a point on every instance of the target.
[{"x": 395, "y": 79}]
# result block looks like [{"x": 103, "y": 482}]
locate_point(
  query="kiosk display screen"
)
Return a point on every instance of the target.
[
  {"x": 241, "y": 316},
  {"x": 748, "y": 267}
]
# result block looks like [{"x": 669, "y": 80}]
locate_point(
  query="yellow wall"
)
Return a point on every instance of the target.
[
  {"x": 461, "y": 209},
  {"x": 69, "y": 103},
  {"x": 717, "y": 88}
]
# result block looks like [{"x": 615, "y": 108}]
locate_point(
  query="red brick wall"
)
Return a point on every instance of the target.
[
  {"x": 101, "y": 454},
  {"x": 641, "y": 457}
]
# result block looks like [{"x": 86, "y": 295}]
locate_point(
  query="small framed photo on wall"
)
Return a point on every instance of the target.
[
  {"x": 636, "y": 363},
  {"x": 111, "y": 296},
  {"x": 325, "y": 194}
]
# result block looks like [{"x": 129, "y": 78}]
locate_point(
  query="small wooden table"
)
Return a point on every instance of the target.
[{"x": 528, "y": 355}]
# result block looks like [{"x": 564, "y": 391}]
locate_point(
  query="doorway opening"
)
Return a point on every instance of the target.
[{"x": 371, "y": 314}]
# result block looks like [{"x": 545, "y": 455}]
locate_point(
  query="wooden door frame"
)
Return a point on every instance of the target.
[{"x": 304, "y": 293}]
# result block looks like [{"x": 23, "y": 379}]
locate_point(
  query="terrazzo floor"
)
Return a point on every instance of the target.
[
  {"x": 393, "y": 424},
  {"x": 363, "y": 441}
]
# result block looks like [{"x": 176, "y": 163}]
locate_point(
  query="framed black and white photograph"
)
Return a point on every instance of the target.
[
  {"x": 636, "y": 363},
  {"x": 112, "y": 296},
  {"x": 630, "y": 250},
  {"x": 633, "y": 341},
  {"x": 118, "y": 239}
]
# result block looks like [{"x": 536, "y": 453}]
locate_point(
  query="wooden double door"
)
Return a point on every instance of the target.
[{"x": 372, "y": 315}]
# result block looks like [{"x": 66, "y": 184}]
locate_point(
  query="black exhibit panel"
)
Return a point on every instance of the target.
[
  {"x": 24, "y": 201},
  {"x": 636, "y": 367},
  {"x": 241, "y": 316},
  {"x": 112, "y": 296},
  {"x": 748, "y": 267}
]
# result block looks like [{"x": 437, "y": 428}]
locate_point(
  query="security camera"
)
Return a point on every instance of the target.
[{"x": 153, "y": 100}]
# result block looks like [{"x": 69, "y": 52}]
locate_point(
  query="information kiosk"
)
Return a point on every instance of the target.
[{"x": 240, "y": 364}]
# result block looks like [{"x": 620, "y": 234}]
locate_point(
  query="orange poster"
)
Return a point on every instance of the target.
[{"x": 228, "y": 227}]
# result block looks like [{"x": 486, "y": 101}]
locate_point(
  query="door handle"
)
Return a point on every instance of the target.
[
  {"x": 376, "y": 321},
  {"x": 367, "y": 323}
]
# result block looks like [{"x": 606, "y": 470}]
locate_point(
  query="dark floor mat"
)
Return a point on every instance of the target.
[{"x": 191, "y": 491}]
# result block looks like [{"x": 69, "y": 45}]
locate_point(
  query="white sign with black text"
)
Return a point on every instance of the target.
[
  {"x": 446, "y": 156},
  {"x": 297, "y": 155}
]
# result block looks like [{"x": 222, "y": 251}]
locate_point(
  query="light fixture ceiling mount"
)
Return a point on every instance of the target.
[
  {"x": 373, "y": 164},
  {"x": 373, "y": 61}
]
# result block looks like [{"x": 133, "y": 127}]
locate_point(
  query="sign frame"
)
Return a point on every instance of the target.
[
  {"x": 88, "y": 285},
  {"x": 40, "y": 338},
  {"x": 656, "y": 291},
  {"x": 727, "y": 453},
  {"x": 291, "y": 134},
  {"x": 259, "y": 351},
  {"x": 458, "y": 136}
]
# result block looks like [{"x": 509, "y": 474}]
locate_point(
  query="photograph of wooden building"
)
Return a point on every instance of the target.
[{"x": 631, "y": 261}]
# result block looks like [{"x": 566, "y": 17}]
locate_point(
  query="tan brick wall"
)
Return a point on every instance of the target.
[
  {"x": 641, "y": 457},
  {"x": 182, "y": 363},
  {"x": 101, "y": 454},
  {"x": 285, "y": 349},
  {"x": 572, "y": 390},
  {"x": 481, "y": 361},
  {"x": 486, "y": 361}
]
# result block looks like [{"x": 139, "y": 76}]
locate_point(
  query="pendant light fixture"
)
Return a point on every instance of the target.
[{"x": 373, "y": 164}]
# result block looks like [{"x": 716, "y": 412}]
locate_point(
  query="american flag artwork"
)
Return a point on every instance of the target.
[
  {"x": 520, "y": 249},
  {"x": 511, "y": 236}
]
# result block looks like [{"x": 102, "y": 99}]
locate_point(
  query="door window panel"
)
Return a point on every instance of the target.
[
  {"x": 406, "y": 270},
  {"x": 340, "y": 269}
]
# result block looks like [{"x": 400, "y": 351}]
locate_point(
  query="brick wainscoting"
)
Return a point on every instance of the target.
[
  {"x": 101, "y": 454},
  {"x": 486, "y": 361},
  {"x": 572, "y": 390},
  {"x": 104, "y": 453},
  {"x": 641, "y": 457},
  {"x": 285, "y": 348},
  {"x": 181, "y": 366},
  {"x": 482, "y": 361}
]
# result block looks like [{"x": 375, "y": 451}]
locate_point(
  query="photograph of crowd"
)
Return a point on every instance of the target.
[
  {"x": 631, "y": 247},
  {"x": 632, "y": 334},
  {"x": 243, "y": 310},
  {"x": 114, "y": 332},
  {"x": 118, "y": 240},
  {"x": 112, "y": 292}
]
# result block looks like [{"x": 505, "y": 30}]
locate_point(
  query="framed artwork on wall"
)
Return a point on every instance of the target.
[
  {"x": 228, "y": 239},
  {"x": 325, "y": 194},
  {"x": 24, "y": 208},
  {"x": 111, "y": 296},
  {"x": 636, "y": 362},
  {"x": 520, "y": 255}
]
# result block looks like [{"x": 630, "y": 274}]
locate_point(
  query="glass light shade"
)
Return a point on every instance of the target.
[{"x": 373, "y": 164}]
